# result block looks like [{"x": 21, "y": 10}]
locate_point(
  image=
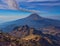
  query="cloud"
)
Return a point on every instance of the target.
[
  {"x": 48, "y": 4},
  {"x": 52, "y": 4},
  {"x": 34, "y": 0},
  {"x": 14, "y": 4},
  {"x": 10, "y": 4},
  {"x": 57, "y": 17},
  {"x": 2, "y": 6},
  {"x": 9, "y": 18},
  {"x": 40, "y": 0}
]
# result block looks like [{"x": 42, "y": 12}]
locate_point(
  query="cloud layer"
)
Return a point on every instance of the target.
[
  {"x": 40, "y": 0},
  {"x": 9, "y": 18},
  {"x": 8, "y": 4},
  {"x": 14, "y": 4},
  {"x": 34, "y": 0}
]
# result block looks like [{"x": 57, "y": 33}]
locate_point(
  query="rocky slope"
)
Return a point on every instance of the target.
[{"x": 33, "y": 38}]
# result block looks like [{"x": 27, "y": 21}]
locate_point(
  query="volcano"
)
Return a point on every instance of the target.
[
  {"x": 34, "y": 20},
  {"x": 34, "y": 17}
]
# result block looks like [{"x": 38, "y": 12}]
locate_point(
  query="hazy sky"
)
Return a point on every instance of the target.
[
  {"x": 10, "y": 15},
  {"x": 47, "y": 8}
]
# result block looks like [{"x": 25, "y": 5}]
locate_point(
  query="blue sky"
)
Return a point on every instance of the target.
[
  {"x": 11, "y": 15},
  {"x": 46, "y": 8}
]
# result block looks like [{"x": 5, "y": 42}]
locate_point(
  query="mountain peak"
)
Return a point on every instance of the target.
[{"x": 34, "y": 17}]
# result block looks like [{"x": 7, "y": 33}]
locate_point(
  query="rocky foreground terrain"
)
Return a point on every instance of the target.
[{"x": 27, "y": 36}]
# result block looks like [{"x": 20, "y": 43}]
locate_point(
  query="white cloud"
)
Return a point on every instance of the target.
[
  {"x": 10, "y": 4},
  {"x": 34, "y": 0},
  {"x": 13, "y": 5},
  {"x": 2, "y": 6},
  {"x": 57, "y": 17},
  {"x": 50, "y": 4},
  {"x": 47, "y": 4},
  {"x": 9, "y": 18},
  {"x": 41, "y": 0}
]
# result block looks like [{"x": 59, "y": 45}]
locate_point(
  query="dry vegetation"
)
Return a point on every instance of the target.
[{"x": 26, "y": 37}]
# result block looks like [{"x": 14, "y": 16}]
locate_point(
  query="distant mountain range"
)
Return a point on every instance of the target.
[
  {"x": 34, "y": 20},
  {"x": 33, "y": 30}
]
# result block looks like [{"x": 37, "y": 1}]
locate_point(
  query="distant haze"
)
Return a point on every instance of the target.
[{"x": 17, "y": 9}]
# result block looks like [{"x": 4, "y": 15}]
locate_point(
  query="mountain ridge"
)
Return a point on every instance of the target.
[{"x": 31, "y": 21}]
